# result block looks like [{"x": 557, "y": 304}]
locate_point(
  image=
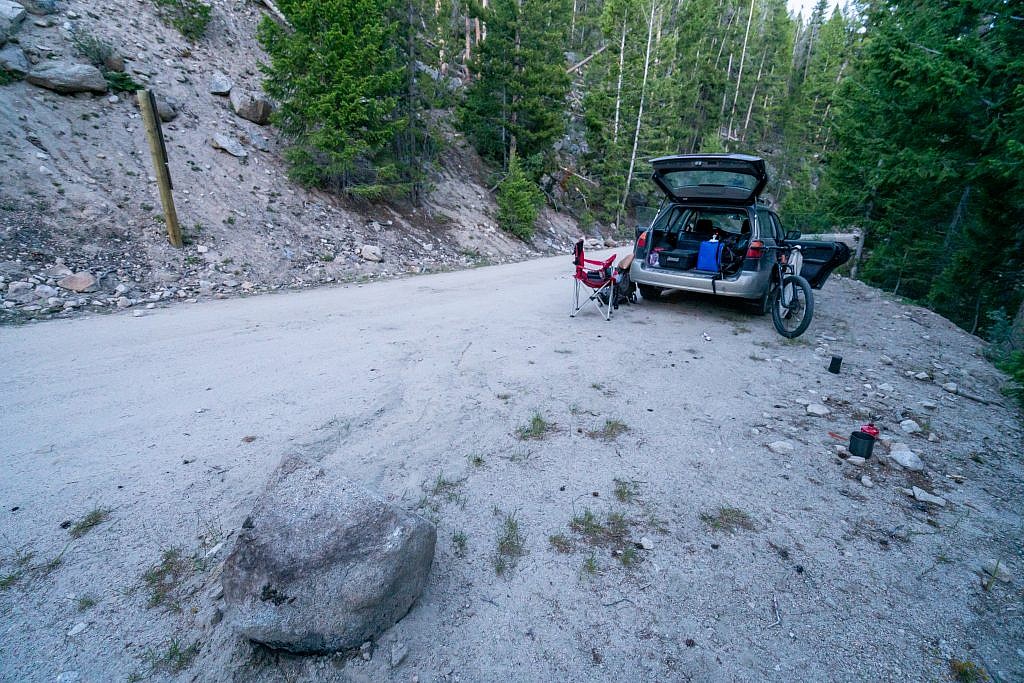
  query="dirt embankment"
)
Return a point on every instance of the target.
[{"x": 78, "y": 192}]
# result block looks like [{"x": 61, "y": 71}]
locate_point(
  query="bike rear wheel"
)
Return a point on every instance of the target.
[{"x": 792, "y": 306}]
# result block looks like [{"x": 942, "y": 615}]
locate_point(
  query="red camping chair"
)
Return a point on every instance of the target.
[{"x": 599, "y": 277}]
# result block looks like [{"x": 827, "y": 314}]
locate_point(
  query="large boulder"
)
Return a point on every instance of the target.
[
  {"x": 251, "y": 106},
  {"x": 323, "y": 565},
  {"x": 68, "y": 77}
]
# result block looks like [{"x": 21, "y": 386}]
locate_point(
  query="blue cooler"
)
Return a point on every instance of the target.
[{"x": 709, "y": 257}]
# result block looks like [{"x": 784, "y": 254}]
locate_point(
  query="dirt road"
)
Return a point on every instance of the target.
[{"x": 759, "y": 565}]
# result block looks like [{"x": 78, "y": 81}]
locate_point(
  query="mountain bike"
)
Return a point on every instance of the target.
[{"x": 791, "y": 300}]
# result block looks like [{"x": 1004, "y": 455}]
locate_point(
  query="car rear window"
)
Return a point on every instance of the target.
[{"x": 738, "y": 184}]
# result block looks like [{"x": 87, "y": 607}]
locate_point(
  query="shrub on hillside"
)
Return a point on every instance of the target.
[
  {"x": 519, "y": 201},
  {"x": 1013, "y": 365},
  {"x": 190, "y": 17}
]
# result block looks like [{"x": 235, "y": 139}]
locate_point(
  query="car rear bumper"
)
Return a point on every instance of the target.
[{"x": 745, "y": 285}]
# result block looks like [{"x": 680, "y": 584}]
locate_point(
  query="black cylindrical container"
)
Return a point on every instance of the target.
[
  {"x": 861, "y": 444},
  {"x": 837, "y": 362}
]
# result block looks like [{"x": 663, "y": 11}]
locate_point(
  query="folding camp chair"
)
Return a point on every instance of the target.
[{"x": 599, "y": 277}]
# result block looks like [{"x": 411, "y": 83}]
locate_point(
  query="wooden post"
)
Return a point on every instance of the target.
[{"x": 147, "y": 105}]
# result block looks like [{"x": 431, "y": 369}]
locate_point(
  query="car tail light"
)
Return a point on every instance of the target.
[
  {"x": 756, "y": 249},
  {"x": 642, "y": 240}
]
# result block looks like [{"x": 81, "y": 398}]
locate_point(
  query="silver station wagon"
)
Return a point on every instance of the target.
[{"x": 712, "y": 235}]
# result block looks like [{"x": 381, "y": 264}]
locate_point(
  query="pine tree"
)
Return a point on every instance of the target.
[
  {"x": 519, "y": 200},
  {"x": 349, "y": 104},
  {"x": 517, "y": 97},
  {"x": 929, "y": 157}
]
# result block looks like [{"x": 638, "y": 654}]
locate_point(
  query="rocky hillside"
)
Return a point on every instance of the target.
[{"x": 78, "y": 195}]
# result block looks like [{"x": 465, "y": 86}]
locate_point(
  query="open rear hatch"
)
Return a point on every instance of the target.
[{"x": 719, "y": 178}]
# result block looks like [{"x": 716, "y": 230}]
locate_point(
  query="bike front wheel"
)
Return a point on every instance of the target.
[{"x": 792, "y": 306}]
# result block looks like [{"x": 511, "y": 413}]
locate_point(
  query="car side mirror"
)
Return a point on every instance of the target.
[{"x": 793, "y": 235}]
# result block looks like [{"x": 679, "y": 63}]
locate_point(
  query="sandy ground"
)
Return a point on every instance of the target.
[{"x": 416, "y": 388}]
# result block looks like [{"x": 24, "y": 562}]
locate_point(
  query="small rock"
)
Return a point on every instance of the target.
[
  {"x": 951, "y": 387},
  {"x": 220, "y": 84},
  {"x": 78, "y": 282},
  {"x": 906, "y": 458},
  {"x": 885, "y": 360},
  {"x": 371, "y": 252},
  {"x": 113, "y": 99},
  {"x": 167, "y": 108},
  {"x": 866, "y": 481},
  {"x": 818, "y": 410},
  {"x": 68, "y": 77},
  {"x": 210, "y": 616},
  {"x": 45, "y": 291},
  {"x": 260, "y": 142},
  {"x": 930, "y": 405},
  {"x": 923, "y": 376},
  {"x": 251, "y": 106},
  {"x": 230, "y": 284},
  {"x": 886, "y": 387},
  {"x": 77, "y": 628},
  {"x": 925, "y": 497},
  {"x": 114, "y": 62},
  {"x": 842, "y": 451},
  {"x": 910, "y": 426},
  {"x": 216, "y": 591},
  {"x": 68, "y": 677},
  {"x": 122, "y": 289},
  {"x": 366, "y": 650},
  {"x": 11, "y": 16},
  {"x": 856, "y": 461},
  {"x": 995, "y": 569},
  {"x": 646, "y": 543},
  {"x": 137, "y": 314},
  {"x": 14, "y": 61},
  {"x": 781, "y": 447},
  {"x": 933, "y": 437},
  {"x": 398, "y": 654},
  {"x": 228, "y": 144},
  {"x": 202, "y": 249},
  {"x": 124, "y": 302},
  {"x": 40, "y": 7}
]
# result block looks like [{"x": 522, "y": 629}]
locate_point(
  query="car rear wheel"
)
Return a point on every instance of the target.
[{"x": 649, "y": 292}]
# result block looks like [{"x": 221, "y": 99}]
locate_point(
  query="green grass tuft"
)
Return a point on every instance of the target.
[
  {"x": 94, "y": 518},
  {"x": 537, "y": 428},
  {"x": 728, "y": 519}
]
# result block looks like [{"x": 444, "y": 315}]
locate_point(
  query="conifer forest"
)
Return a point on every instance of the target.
[{"x": 901, "y": 120}]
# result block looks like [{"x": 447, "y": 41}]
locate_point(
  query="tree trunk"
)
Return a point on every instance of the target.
[
  {"x": 572, "y": 24},
  {"x": 618, "y": 88},
  {"x": 743, "y": 59},
  {"x": 1017, "y": 335},
  {"x": 750, "y": 109},
  {"x": 725, "y": 93},
  {"x": 639, "y": 114},
  {"x": 412, "y": 97},
  {"x": 954, "y": 223}
]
